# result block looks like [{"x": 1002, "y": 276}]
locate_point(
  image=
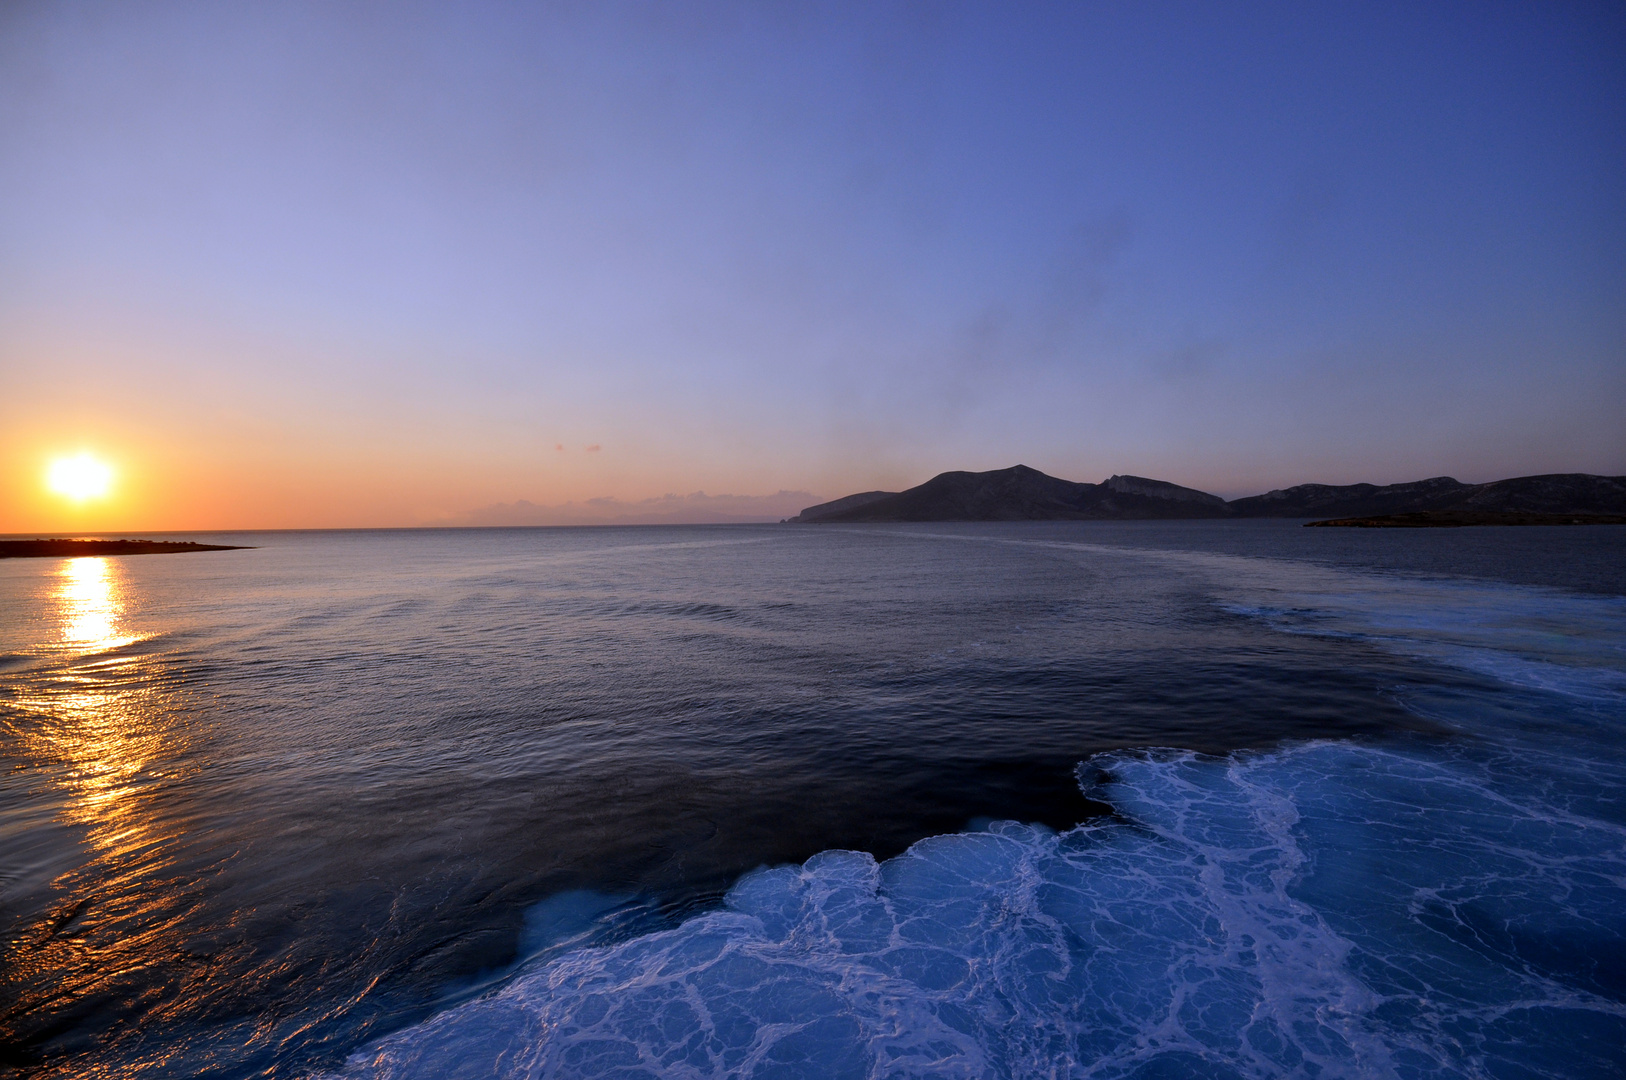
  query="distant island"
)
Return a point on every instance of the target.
[
  {"x": 1023, "y": 494},
  {"x": 45, "y": 549}
]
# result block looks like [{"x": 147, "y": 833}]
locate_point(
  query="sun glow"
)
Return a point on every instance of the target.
[{"x": 80, "y": 477}]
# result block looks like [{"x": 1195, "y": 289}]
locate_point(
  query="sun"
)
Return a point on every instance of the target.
[{"x": 80, "y": 477}]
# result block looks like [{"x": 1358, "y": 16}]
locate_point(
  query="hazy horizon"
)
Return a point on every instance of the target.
[
  {"x": 671, "y": 508},
  {"x": 337, "y": 266}
]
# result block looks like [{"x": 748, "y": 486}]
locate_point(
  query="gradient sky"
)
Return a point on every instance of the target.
[{"x": 378, "y": 264}]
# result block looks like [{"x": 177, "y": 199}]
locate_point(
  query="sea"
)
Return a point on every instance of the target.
[{"x": 1084, "y": 799}]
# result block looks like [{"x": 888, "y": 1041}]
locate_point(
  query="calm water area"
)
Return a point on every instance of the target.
[{"x": 1032, "y": 799}]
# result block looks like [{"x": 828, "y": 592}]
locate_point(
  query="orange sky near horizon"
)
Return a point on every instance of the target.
[
  {"x": 194, "y": 483},
  {"x": 299, "y": 435},
  {"x": 289, "y": 434},
  {"x": 295, "y": 436}
]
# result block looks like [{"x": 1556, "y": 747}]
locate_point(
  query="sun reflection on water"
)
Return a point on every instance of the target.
[
  {"x": 94, "y": 716},
  {"x": 106, "y": 725},
  {"x": 90, "y": 602}
]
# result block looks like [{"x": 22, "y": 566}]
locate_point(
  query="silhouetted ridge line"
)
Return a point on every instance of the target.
[
  {"x": 1020, "y": 494},
  {"x": 1023, "y": 494}
]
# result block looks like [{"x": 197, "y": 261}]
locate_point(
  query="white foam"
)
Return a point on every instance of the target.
[{"x": 1328, "y": 910}]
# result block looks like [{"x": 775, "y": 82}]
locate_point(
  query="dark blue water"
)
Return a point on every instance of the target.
[{"x": 1011, "y": 800}]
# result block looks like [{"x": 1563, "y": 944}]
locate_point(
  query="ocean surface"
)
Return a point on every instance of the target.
[{"x": 1185, "y": 799}]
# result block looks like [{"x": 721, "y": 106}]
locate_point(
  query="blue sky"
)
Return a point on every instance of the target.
[{"x": 345, "y": 264}]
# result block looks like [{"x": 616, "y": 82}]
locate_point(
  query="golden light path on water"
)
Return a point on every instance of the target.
[
  {"x": 90, "y": 601},
  {"x": 97, "y": 732},
  {"x": 107, "y": 725}
]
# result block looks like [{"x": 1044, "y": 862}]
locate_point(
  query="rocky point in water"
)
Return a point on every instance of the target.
[{"x": 46, "y": 549}]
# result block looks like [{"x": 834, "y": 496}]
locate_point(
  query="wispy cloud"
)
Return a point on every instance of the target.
[{"x": 696, "y": 508}]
